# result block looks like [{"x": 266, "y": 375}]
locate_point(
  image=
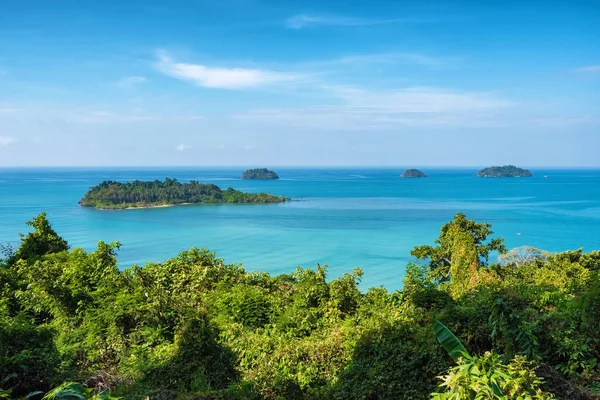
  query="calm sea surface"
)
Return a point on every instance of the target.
[{"x": 345, "y": 218}]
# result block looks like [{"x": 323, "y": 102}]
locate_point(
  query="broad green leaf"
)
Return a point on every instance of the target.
[
  {"x": 449, "y": 342},
  {"x": 67, "y": 391},
  {"x": 497, "y": 390}
]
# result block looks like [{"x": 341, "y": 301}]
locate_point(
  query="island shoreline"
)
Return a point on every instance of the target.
[
  {"x": 113, "y": 195},
  {"x": 288, "y": 200}
]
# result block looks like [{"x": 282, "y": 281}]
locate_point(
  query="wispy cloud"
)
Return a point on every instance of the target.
[
  {"x": 365, "y": 119},
  {"x": 417, "y": 99},
  {"x": 307, "y": 75},
  {"x": 381, "y": 109},
  {"x": 129, "y": 81},
  {"x": 351, "y": 62},
  {"x": 182, "y": 147},
  {"x": 110, "y": 117},
  {"x": 6, "y": 141},
  {"x": 218, "y": 77},
  {"x": 392, "y": 58},
  {"x": 564, "y": 121},
  {"x": 301, "y": 21},
  {"x": 6, "y": 110},
  {"x": 119, "y": 117},
  {"x": 590, "y": 69}
]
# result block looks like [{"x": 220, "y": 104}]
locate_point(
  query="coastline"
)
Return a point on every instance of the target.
[
  {"x": 136, "y": 207},
  {"x": 145, "y": 207},
  {"x": 320, "y": 206},
  {"x": 115, "y": 195},
  {"x": 177, "y": 205}
]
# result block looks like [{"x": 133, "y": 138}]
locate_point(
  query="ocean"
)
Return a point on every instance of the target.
[{"x": 343, "y": 217}]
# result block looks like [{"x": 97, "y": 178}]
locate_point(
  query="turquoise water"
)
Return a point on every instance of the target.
[{"x": 345, "y": 218}]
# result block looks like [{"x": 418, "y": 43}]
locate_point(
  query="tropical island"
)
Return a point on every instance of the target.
[
  {"x": 507, "y": 171},
  {"x": 112, "y": 195},
  {"x": 262, "y": 174},
  {"x": 76, "y": 325},
  {"x": 413, "y": 173}
]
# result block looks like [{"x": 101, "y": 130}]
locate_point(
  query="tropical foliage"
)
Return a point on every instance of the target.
[
  {"x": 506, "y": 171},
  {"x": 486, "y": 377},
  {"x": 413, "y": 173},
  {"x": 260, "y": 174},
  {"x": 118, "y": 195},
  {"x": 194, "y": 327}
]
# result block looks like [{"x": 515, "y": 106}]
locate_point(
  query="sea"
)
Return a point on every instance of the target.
[{"x": 340, "y": 217}]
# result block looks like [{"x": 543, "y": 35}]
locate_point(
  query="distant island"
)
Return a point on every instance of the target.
[
  {"x": 413, "y": 173},
  {"x": 111, "y": 195},
  {"x": 259, "y": 174},
  {"x": 507, "y": 171}
]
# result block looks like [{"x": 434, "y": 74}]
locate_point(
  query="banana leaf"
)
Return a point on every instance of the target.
[{"x": 450, "y": 342}]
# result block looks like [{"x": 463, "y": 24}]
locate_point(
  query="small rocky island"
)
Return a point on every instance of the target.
[
  {"x": 111, "y": 195},
  {"x": 413, "y": 173},
  {"x": 507, "y": 171},
  {"x": 259, "y": 174}
]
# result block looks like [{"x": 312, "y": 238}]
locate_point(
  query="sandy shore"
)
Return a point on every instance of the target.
[{"x": 142, "y": 208}]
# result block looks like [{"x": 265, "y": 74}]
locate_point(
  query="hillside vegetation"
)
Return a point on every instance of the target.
[
  {"x": 413, "y": 173},
  {"x": 194, "y": 327},
  {"x": 139, "y": 194},
  {"x": 507, "y": 171},
  {"x": 259, "y": 174}
]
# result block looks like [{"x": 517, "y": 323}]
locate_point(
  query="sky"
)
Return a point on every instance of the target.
[{"x": 299, "y": 83}]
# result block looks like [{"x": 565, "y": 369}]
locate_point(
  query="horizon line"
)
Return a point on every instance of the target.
[{"x": 315, "y": 166}]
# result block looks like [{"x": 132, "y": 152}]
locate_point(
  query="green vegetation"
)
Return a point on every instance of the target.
[
  {"x": 413, "y": 173},
  {"x": 193, "y": 327},
  {"x": 260, "y": 174},
  {"x": 138, "y": 194},
  {"x": 507, "y": 171},
  {"x": 487, "y": 377}
]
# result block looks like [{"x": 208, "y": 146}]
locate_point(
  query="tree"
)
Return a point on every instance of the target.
[
  {"x": 119, "y": 195},
  {"x": 459, "y": 252},
  {"x": 523, "y": 255},
  {"x": 42, "y": 241},
  {"x": 6, "y": 254}
]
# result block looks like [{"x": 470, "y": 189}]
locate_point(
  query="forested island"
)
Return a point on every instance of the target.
[
  {"x": 73, "y": 325},
  {"x": 140, "y": 194},
  {"x": 507, "y": 171},
  {"x": 413, "y": 173},
  {"x": 260, "y": 174}
]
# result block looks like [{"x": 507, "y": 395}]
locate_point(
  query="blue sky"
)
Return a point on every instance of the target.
[{"x": 244, "y": 82}]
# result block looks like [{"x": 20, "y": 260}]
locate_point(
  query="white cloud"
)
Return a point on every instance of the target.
[
  {"x": 417, "y": 99},
  {"x": 591, "y": 69},
  {"x": 301, "y": 21},
  {"x": 183, "y": 147},
  {"x": 220, "y": 78},
  {"x": 350, "y": 62},
  {"x": 136, "y": 115},
  {"x": 129, "y": 81},
  {"x": 390, "y": 58},
  {"x": 6, "y": 141},
  {"x": 6, "y": 110},
  {"x": 380, "y": 109},
  {"x": 110, "y": 117},
  {"x": 363, "y": 119},
  {"x": 564, "y": 121}
]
